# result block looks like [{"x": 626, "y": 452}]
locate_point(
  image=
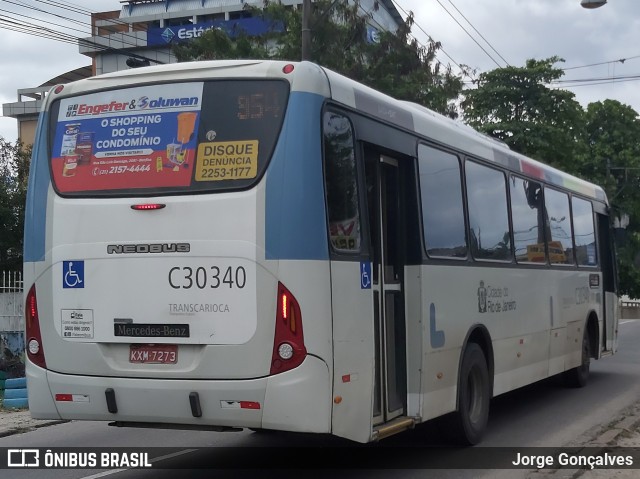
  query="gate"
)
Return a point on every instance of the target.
[{"x": 12, "y": 339}]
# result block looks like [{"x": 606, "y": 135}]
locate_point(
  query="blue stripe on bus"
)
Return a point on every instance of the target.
[
  {"x": 36, "y": 208},
  {"x": 295, "y": 224}
]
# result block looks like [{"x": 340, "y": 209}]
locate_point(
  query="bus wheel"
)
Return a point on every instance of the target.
[
  {"x": 578, "y": 377},
  {"x": 467, "y": 425}
]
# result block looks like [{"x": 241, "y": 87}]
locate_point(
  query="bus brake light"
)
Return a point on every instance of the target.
[
  {"x": 284, "y": 307},
  {"x": 148, "y": 206},
  {"x": 35, "y": 352},
  {"x": 288, "y": 344}
]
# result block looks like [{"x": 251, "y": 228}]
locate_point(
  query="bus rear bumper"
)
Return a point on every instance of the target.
[{"x": 297, "y": 400}]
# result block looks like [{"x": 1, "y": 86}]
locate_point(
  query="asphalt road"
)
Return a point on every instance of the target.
[{"x": 542, "y": 415}]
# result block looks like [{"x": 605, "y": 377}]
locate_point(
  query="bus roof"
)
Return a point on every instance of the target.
[
  {"x": 445, "y": 131},
  {"x": 313, "y": 78}
]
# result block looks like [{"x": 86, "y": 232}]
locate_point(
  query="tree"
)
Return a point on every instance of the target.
[
  {"x": 342, "y": 41},
  {"x": 601, "y": 144},
  {"x": 612, "y": 137},
  {"x": 14, "y": 170},
  {"x": 515, "y": 105},
  {"x": 612, "y": 159}
]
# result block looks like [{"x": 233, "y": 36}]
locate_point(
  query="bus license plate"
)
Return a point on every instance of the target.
[{"x": 153, "y": 353}]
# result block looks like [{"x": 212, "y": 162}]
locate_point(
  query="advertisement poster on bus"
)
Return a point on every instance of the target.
[{"x": 142, "y": 137}]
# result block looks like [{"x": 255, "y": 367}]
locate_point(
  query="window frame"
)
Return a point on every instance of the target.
[
  {"x": 596, "y": 240},
  {"x": 358, "y": 167},
  {"x": 460, "y": 160},
  {"x": 549, "y": 239},
  {"x": 503, "y": 173},
  {"x": 546, "y": 261}
]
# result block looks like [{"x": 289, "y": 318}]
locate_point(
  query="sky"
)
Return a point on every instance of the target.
[{"x": 507, "y": 31}]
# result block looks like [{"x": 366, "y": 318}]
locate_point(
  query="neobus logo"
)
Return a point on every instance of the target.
[{"x": 148, "y": 248}]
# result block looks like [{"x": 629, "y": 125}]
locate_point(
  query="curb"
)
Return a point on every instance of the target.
[
  {"x": 30, "y": 427},
  {"x": 627, "y": 423}
]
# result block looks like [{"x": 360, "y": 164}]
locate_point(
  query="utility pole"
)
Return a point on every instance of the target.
[{"x": 306, "y": 30}]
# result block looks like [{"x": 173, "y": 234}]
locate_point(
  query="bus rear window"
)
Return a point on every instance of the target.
[{"x": 166, "y": 138}]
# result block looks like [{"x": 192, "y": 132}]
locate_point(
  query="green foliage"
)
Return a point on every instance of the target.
[
  {"x": 394, "y": 64},
  {"x": 612, "y": 159},
  {"x": 628, "y": 265},
  {"x": 14, "y": 170},
  {"x": 601, "y": 144},
  {"x": 612, "y": 140},
  {"x": 515, "y": 105}
]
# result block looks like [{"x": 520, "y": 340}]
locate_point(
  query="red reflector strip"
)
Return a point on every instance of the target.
[
  {"x": 346, "y": 378},
  {"x": 249, "y": 405},
  {"x": 72, "y": 398}
]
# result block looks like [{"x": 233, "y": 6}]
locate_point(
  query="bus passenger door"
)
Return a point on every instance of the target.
[
  {"x": 609, "y": 287},
  {"x": 385, "y": 235}
]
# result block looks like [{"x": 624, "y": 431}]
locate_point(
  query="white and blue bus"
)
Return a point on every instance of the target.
[{"x": 270, "y": 245}]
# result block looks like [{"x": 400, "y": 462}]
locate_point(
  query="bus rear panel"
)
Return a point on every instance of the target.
[{"x": 153, "y": 295}]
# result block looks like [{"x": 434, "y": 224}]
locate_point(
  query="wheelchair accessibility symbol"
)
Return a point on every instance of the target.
[
  {"x": 365, "y": 275},
  {"x": 73, "y": 274}
]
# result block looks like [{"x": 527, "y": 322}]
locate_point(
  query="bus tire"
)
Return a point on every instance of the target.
[
  {"x": 467, "y": 425},
  {"x": 578, "y": 376}
]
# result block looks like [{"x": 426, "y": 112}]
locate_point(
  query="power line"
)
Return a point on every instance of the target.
[
  {"x": 476, "y": 30},
  {"x": 37, "y": 19},
  {"x": 38, "y": 30},
  {"x": 605, "y": 79},
  {"x": 370, "y": 16},
  {"x": 601, "y": 82},
  {"x": 79, "y": 10},
  {"x": 621, "y": 60},
  {"x": 468, "y": 34},
  {"x": 429, "y": 37}
]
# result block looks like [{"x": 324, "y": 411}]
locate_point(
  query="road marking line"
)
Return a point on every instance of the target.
[
  {"x": 155, "y": 459},
  {"x": 629, "y": 321}
]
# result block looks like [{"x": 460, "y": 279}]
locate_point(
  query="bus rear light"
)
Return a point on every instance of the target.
[
  {"x": 285, "y": 351},
  {"x": 34, "y": 346},
  {"x": 285, "y": 310},
  {"x": 35, "y": 351},
  {"x": 288, "y": 68},
  {"x": 288, "y": 344},
  {"x": 148, "y": 206},
  {"x": 64, "y": 397}
]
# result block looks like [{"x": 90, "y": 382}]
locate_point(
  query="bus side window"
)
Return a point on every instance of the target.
[
  {"x": 488, "y": 214},
  {"x": 527, "y": 216},
  {"x": 341, "y": 183},
  {"x": 442, "y": 208},
  {"x": 584, "y": 232},
  {"x": 559, "y": 224}
]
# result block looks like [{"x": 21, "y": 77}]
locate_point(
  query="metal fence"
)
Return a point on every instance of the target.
[{"x": 11, "y": 324}]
